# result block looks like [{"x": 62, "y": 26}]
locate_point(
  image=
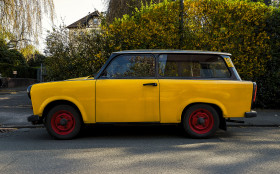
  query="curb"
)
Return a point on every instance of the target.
[
  {"x": 253, "y": 125},
  {"x": 21, "y": 126}
]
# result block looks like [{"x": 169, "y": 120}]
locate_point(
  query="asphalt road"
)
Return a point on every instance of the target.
[
  {"x": 15, "y": 107},
  {"x": 135, "y": 149},
  {"x": 159, "y": 149}
]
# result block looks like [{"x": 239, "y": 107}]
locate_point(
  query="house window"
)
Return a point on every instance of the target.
[{"x": 95, "y": 21}]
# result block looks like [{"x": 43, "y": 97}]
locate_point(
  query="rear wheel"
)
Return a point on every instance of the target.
[
  {"x": 63, "y": 122},
  {"x": 201, "y": 121}
]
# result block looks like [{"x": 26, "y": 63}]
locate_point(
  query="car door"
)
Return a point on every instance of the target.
[{"x": 127, "y": 90}]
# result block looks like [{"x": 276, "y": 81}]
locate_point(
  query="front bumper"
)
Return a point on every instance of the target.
[
  {"x": 35, "y": 119},
  {"x": 250, "y": 114}
]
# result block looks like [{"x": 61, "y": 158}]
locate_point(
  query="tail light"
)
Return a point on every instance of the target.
[{"x": 254, "y": 94}]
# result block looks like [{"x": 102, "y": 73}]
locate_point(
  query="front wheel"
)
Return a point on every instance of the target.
[
  {"x": 201, "y": 121},
  {"x": 63, "y": 122}
]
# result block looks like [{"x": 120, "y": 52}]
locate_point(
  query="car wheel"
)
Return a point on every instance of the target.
[
  {"x": 201, "y": 121},
  {"x": 63, "y": 122}
]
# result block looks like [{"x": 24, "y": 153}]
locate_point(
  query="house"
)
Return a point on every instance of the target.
[{"x": 89, "y": 22}]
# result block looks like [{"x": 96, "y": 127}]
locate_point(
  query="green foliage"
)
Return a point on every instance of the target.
[
  {"x": 35, "y": 60},
  {"x": 12, "y": 60},
  {"x": 237, "y": 27},
  {"x": 269, "y": 82},
  {"x": 22, "y": 71},
  {"x": 11, "y": 56},
  {"x": 118, "y": 8},
  {"x": 32, "y": 56},
  {"x": 75, "y": 55},
  {"x": 155, "y": 26}
]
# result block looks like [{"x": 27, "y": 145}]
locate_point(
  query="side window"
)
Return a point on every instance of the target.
[
  {"x": 197, "y": 66},
  {"x": 131, "y": 66}
]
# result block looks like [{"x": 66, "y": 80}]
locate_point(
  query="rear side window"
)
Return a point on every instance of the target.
[{"x": 192, "y": 66}]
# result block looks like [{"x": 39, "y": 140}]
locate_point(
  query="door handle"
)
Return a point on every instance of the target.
[{"x": 150, "y": 84}]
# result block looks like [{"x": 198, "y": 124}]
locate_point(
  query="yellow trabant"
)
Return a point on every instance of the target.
[{"x": 197, "y": 89}]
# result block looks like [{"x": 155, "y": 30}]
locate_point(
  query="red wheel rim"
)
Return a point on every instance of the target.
[
  {"x": 201, "y": 121},
  {"x": 63, "y": 122}
]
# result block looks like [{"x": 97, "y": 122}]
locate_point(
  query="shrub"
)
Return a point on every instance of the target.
[
  {"x": 237, "y": 27},
  {"x": 269, "y": 82},
  {"x": 75, "y": 55},
  {"x": 22, "y": 71}
]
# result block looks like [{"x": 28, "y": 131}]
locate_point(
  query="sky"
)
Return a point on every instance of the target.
[
  {"x": 72, "y": 10},
  {"x": 68, "y": 12}
]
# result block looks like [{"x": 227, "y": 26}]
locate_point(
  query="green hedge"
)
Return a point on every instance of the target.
[
  {"x": 237, "y": 27},
  {"x": 6, "y": 70},
  {"x": 269, "y": 82}
]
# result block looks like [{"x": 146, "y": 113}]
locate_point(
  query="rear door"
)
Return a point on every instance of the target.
[{"x": 190, "y": 78}]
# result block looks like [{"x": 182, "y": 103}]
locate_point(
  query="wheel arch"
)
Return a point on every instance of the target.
[
  {"x": 52, "y": 104},
  {"x": 222, "y": 124}
]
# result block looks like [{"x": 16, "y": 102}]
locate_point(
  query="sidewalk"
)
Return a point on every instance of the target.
[
  {"x": 265, "y": 117},
  {"x": 11, "y": 90}
]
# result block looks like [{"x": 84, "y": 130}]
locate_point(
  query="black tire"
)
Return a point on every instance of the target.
[
  {"x": 63, "y": 122},
  {"x": 201, "y": 121}
]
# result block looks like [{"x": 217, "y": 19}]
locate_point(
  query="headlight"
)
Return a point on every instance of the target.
[{"x": 28, "y": 91}]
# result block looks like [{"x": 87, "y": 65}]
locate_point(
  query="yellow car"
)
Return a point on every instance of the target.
[{"x": 198, "y": 89}]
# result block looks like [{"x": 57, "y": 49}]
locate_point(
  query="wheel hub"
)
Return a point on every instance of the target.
[
  {"x": 201, "y": 121},
  {"x": 63, "y": 122}
]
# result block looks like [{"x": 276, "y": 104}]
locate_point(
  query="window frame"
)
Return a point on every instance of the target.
[
  {"x": 115, "y": 57},
  {"x": 200, "y": 78}
]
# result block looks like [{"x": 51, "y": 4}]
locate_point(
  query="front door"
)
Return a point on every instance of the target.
[{"x": 127, "y": 90}]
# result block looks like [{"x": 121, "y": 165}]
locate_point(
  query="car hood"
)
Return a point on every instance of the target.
[
  {"x": 80, "y": 78},
  {"x": 74, "y": 79}
]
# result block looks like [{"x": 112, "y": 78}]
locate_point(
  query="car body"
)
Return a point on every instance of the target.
[{"x": 199, "y": 89}]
